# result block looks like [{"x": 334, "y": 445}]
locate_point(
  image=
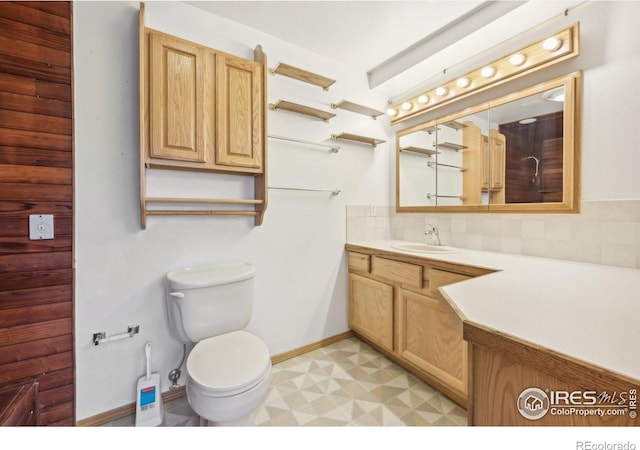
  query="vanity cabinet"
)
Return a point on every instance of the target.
[
  {"x": 205, "y": 108},
  {"x": 395, "y": 305}
]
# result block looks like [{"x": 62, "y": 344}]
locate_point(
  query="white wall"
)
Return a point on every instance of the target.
[{"x": 300, "y": 290}]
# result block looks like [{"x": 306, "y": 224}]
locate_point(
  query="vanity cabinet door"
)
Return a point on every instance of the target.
[
  {"x": 371, "y": 310},
  {"x": 430, "y": 340}
]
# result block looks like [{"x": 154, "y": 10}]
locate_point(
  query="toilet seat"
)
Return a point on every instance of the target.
[{"x": 229, "y": 364}]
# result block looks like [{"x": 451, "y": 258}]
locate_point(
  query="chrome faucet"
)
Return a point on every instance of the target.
[{"x": 432, "y": 235}]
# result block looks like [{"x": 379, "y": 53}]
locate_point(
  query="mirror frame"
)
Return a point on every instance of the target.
[{"x": 572, "y": 118}]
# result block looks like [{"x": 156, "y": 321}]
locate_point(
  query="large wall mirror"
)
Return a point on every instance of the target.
[{"x": 516, "y": 153}]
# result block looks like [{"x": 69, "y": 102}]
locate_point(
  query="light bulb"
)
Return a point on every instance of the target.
[
  {"x": 552, "y": 44},
  {"x": 488, "y": 72},
  {"x": 423, "y": 99},
  {"x": 463, "y": 82},
  {"x": 517, "y": 59},
  {"x": 391, "y": 112},
  {"x": 407, "y": 106},
  {"x": 441, "y": 91}
]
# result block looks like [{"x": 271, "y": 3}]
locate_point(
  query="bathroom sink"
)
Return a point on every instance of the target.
[{"x": 423, "y": 248}]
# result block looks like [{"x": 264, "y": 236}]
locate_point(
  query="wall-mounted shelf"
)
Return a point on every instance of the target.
[
  {"x": 451, "y": 146},
  {"x": 301, "y": 109},
  {"x": 455, "y": 125},
  {"x": 359, "y": 109},
  {"x": 302, "y": 75},
  {"x": 356, "y": 138},
  {"x": 163, "y": 211},
  {"x": 418, "y": 150}
]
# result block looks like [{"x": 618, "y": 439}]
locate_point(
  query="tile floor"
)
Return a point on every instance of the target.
[{"x": 345, "y": 383}]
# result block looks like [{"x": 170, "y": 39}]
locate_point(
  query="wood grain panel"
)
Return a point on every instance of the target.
[
  {"x": 35, "y": 296},
  {"x": 61, "y": 9},
  {"x": 34, "y": 174},
  {"x": 35, "y": 157},
  {"x": 34, "y": 52},
  {"x": 35, "y": 122},
  {"x": 61, "y": 415},
  {"x": 34, "y": 35},
  {"x": 21, "y": 138},
  {"x": 55, "y": 379},
  {"x": 35, "y": 366},
  {"x": 55, "y": 396},
  {"x": 36, "y": 161},
  {"x": 35, "y": 105},
  {"x": 34, "y": 332},
  {"x": 34, "y": 262},
  {"x": 36, "y": 349},
  {"x": 15, "y": 317},
  {"x": 10, "y": 281},
  {"x": 30, "y": 15},
  {"x": 33, "y": 87},
  {"x": 36, "y": 192},
  {"x": 30, "y": 69},
  {"x": 20, "y": 208}
]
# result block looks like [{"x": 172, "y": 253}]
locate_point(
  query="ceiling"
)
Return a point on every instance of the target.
[{"x": 397, "y": 43}]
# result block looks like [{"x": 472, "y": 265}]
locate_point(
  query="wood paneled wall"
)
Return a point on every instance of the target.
[{"x": 36, "y": 163}]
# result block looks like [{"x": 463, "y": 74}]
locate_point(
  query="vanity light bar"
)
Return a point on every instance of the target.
[{"x": 561, "y": 46}]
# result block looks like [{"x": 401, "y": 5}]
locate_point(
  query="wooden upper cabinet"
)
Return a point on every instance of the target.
[
  {"x": 239, "y": 134},
  {"x": 205, "y": 108}
]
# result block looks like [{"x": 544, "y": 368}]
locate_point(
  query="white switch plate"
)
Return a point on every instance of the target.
[{"x": 40, "y": 226}]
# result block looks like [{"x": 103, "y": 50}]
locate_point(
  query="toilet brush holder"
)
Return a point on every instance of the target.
[{"x": 149, "y": 407}]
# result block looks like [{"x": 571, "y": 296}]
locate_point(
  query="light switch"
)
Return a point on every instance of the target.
[{"x": 40, "y": 226}]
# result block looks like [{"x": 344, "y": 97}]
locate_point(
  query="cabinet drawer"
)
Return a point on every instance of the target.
[
  {"x": 359, "y": 262},
  {"x": 438, "y": 278},
  {"x": 399, "y": 272}
]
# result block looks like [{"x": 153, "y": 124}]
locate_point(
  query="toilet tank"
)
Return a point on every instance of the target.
[{"x": 209, "y": 300}]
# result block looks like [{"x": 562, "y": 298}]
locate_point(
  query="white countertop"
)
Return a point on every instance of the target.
[{"x": 587, "y": 311}]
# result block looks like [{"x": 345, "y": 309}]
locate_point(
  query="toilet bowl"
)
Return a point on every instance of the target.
[
  {"x": 228, "y": 369},
  {"x": 228, "y": 378}
]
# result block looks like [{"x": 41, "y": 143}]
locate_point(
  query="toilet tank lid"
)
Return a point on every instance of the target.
[{"x": 211, "y": 275}]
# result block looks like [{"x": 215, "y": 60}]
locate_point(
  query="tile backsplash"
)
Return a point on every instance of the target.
[{"x": 604, "y": 232}]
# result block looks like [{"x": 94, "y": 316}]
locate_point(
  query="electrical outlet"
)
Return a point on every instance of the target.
[
  {"x": 372, "y": 210},
  {"x": 40, "y": 226}
]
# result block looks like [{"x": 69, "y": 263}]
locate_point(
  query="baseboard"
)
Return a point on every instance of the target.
[
  {"x": 123, "y": 411},
  {"x": 310, "y": 347}
]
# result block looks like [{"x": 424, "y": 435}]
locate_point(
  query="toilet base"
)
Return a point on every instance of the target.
[
  {"x": 235, "y": 410},
  {"x": 246, "y": 421}
]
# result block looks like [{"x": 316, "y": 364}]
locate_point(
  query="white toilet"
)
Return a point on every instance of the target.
[{"x": 229, "y": 369}]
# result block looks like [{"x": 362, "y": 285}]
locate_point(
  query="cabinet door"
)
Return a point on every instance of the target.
[
  {"x": 176, "y": 91},
  {"x": 239, "y": 97},
  {"x": 371, "y": 310},
  {"x": 430, "y": 340},
  {"x": 497, "y": 160}
]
